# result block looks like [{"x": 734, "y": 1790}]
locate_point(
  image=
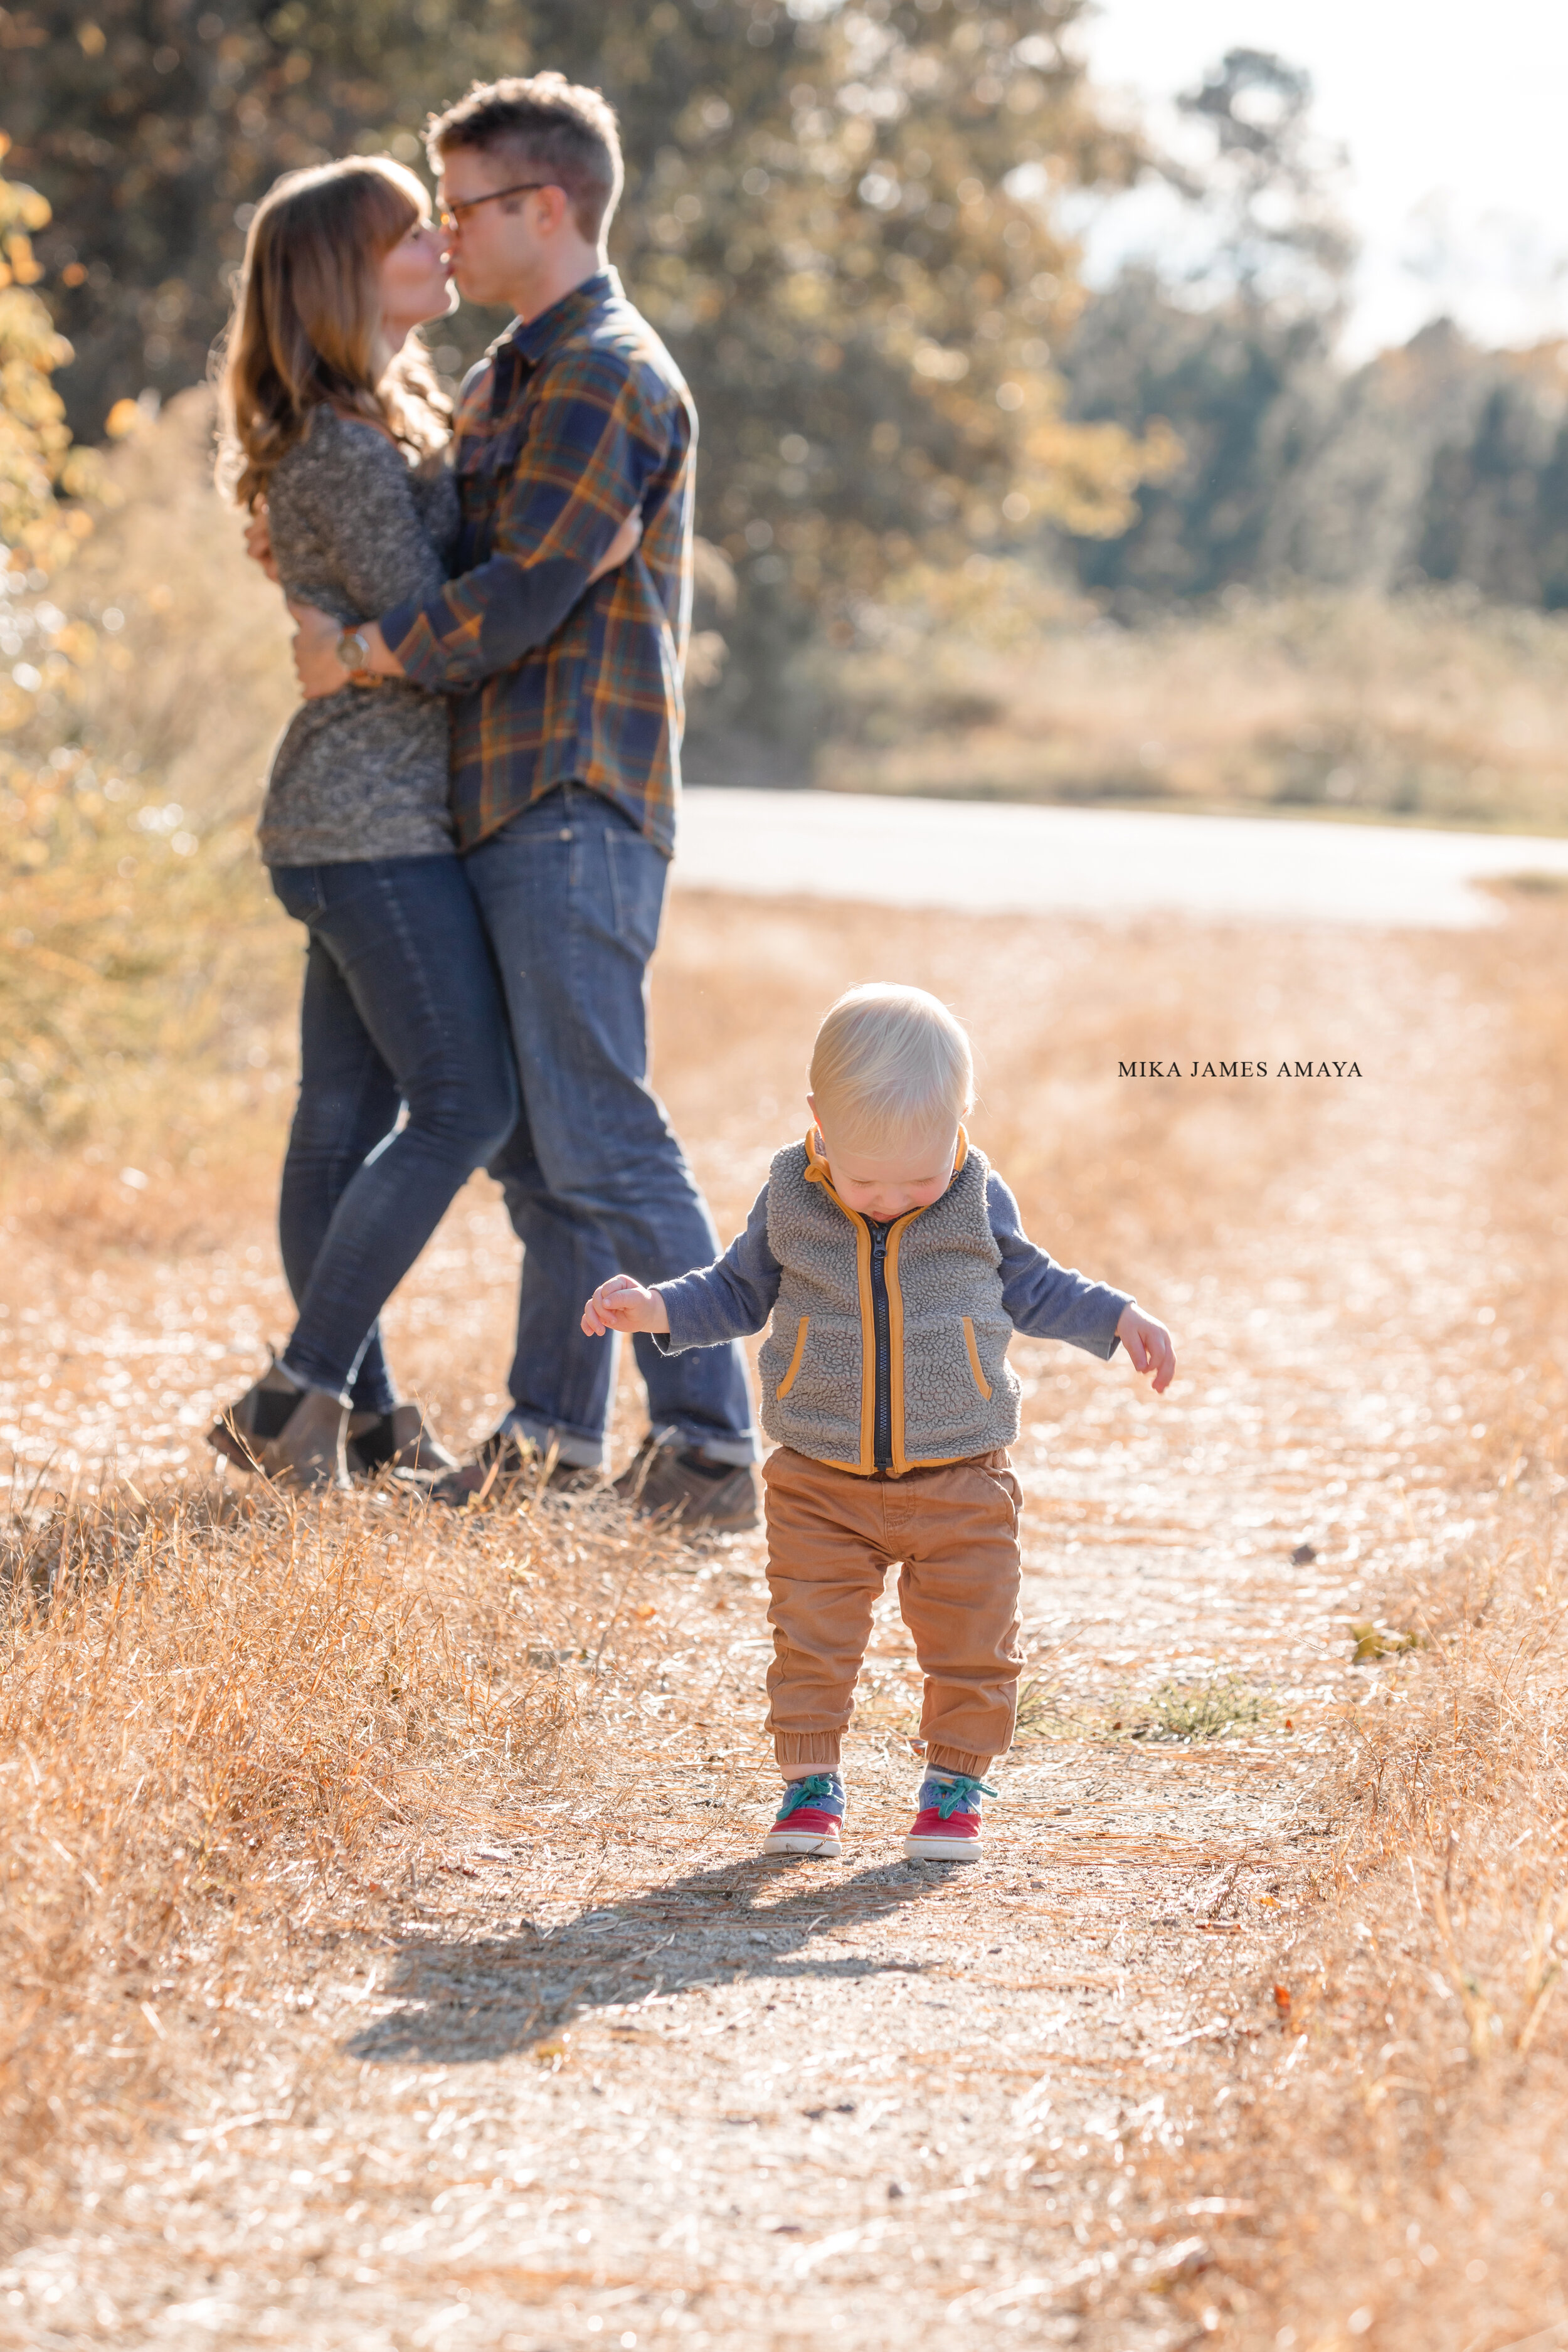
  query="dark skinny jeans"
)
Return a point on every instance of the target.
[{"x": 402, "y": 1009}]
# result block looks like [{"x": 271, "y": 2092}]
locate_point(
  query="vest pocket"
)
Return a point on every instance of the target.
[
  {"x": 789, "y": 1379},
  {"x": 981, "y": 1382}
]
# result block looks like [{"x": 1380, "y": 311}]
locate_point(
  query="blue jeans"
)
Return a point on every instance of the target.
[
  {"x": 401, "y": 1009},
  {"x": 594, "y": 1179}
]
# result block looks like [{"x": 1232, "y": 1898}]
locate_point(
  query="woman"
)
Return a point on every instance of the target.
[{"x": 331, "y": 416}]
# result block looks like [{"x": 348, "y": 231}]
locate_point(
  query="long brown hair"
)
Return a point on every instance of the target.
[{"x": 306, "y": 326}]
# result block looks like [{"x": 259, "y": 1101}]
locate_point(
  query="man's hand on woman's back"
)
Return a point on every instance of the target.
[{"x": 316, "y": 633}]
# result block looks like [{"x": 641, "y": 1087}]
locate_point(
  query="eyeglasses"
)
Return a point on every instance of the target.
[{"x": 451, "y": 215}]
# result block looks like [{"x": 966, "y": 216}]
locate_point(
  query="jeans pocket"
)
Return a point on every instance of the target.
[
  {"x": 638, "y": 873},
  {"x": 297, "y": 889}
]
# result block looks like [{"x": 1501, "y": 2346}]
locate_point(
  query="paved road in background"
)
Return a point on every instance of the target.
[{"x": 991, "y": 857}]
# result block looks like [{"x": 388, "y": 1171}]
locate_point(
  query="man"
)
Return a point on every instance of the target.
[{"x": 567, "y": 719}]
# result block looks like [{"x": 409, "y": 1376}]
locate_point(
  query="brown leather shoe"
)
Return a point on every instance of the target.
[
  {"x": 504, "y": 1461},
  {"x": 685, "y": 1489}
]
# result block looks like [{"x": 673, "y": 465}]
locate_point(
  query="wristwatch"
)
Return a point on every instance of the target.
[{"x": 354, "y": 652}]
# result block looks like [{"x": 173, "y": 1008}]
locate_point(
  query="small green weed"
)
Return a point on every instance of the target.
[
  {"x": 1206, "y": 1710},
  {"x": 1373, "y": 1640}
]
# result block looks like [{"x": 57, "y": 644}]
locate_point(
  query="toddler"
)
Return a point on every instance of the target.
[{"x": 892, "y": 1261}]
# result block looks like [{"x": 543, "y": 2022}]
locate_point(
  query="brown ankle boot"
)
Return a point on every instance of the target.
[
  {"x": 239, "y": 1433},
  {"x": 403, "y": 1439},
  {"x": 307, "y": 1451}
]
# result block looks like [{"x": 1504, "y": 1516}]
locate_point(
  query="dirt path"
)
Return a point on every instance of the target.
[{"x": 610, "y": 2080}]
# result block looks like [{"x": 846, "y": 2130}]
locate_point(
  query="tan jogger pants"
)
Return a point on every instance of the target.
[{"x": 831, "y": 1539}]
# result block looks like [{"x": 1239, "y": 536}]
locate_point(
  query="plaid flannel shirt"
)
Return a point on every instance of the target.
[{"x": 573, "y": 420}]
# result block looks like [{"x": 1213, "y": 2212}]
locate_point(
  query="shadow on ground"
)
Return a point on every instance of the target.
[{"x": 470, "y": 1998}]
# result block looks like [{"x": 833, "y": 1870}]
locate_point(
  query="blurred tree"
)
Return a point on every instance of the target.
[
  {"x": 843, "y": 227},
  {"x": 45, "y": 482},
  {"x": 1269, "y": 183},
  {"x": 43, "y": 478},
  {"x": 838, "y": 212},
  {"x": 1440, "y": 462},
  {"x": 150, "y": 125},
  {"x": 1250, "y": 398},
  {"x": 1483, "y": 518},
  {"x": 1551, "y": 526},
  {"x": 1236, "y": 362}
]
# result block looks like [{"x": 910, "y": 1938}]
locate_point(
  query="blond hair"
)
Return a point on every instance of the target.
[
  {"x": 890, "y": 1063},
  {"x": 306, "y": 329}
]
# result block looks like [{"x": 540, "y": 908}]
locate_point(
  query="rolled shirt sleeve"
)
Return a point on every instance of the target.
[
  {"x": 593, "y": 447},
  {"x": 728, "y": 1300},
  {"x": 1044, "y": 1301}
]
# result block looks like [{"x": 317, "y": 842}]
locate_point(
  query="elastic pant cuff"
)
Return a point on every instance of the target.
[
  {"x": 800, "y": 1752},
  {"x": 967, "y": 1760}
]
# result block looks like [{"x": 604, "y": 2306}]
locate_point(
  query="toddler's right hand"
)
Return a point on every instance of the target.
[{"x": 623, "y": 1305}]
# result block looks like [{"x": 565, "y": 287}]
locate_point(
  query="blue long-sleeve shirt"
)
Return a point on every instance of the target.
[{"x": 735, "y": 1296}]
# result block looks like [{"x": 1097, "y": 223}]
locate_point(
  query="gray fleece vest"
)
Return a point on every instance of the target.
[{"x": 952, "y": 1390}]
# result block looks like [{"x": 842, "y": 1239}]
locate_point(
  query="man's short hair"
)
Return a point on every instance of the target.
[
  {"x": 889, "y": 1064},
  {"x": 549, "y": 124}
]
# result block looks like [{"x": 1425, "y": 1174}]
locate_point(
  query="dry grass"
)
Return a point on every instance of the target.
[
  {"x": 1415, "y": 2094},
  {"x": 1431, "y": 709},
  {"x": 225, "y": 1726}
]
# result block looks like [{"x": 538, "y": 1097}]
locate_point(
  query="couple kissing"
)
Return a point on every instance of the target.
[{"x": 473, "y": 811}]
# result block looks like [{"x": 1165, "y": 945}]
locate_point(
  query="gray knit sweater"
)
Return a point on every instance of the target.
[{"x": 364, "y": 773}]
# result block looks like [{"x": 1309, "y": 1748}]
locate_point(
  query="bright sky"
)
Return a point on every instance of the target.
[{"x": 1453, "y": 119}]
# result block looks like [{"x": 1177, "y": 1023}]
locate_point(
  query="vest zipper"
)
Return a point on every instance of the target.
[{"x": 882, "y": 1418}]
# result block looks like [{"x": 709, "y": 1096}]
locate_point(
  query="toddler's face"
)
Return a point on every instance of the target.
[{"x": 911, "y": 1177}]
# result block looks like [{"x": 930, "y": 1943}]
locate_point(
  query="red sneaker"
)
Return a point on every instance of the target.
[
  {"x": 946, "y": 1827},
  {"x": 810, "y": 1818}
]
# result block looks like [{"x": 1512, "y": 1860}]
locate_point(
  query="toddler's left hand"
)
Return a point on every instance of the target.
[{"x": 1150, "y": 1347}]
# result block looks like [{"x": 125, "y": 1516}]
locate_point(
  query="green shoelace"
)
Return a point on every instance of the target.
[
  {"x": 961, "y": 1786},
  {"x": 805, "y": 1792}
]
